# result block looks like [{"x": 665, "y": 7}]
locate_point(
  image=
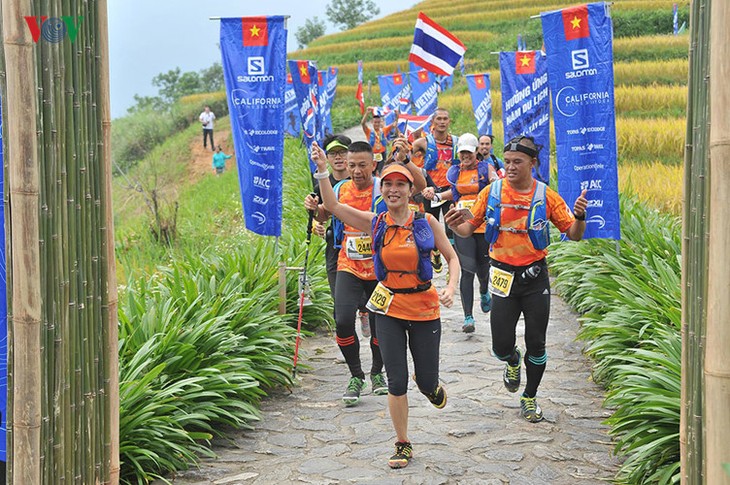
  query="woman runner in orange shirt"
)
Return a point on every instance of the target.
[{"x": 405, "y": 302}]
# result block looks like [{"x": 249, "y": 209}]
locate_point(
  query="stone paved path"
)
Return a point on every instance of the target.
[{"x": 308, "y": 436}]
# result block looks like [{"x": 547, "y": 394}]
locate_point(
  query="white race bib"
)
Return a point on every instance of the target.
[{"x": 359, "y": 247}]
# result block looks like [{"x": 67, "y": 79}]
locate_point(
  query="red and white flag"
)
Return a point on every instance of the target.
[
  {"x": 359, "y": 94},
  {"x": 435, "y": 48}
]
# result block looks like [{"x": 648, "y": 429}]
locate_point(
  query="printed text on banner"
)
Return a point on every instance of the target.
[
  {"x": 481, "y": 101},
  {"x": 254, "y": 68},
  {"x": 580, "y": 67},
  {"x": 526, "y": 102}
]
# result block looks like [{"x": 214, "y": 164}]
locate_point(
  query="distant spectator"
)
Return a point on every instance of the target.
[
  {"x": 219, "y": 160},
  {"x": 206, "y": 118}
]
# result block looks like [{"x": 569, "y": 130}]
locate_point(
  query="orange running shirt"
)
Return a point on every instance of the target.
[
  {"x": 467, "y": 184},
  {"x": 354, "y": 241},
  {"x": 516, "y": 249},
  {"x": 379, "y": 141},
  {"x": 400, "y": 253},
  {"x": 445, "y": 153}
]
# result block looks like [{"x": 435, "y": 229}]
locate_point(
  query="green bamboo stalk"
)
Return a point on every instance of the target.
[{"x": 694, "y": 253}]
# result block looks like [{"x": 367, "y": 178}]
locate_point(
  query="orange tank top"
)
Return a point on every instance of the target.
[
  {"x": 400, "y": 255},
  {"x": 445, "y": 153}
]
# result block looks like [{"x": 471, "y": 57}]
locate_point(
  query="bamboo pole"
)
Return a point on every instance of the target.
[
  {"x": 24, "y": 323},
  {"x": 694, "y": 248},
  {"x": 717, "y": 364},
  {"x": 111, "y": 371}
]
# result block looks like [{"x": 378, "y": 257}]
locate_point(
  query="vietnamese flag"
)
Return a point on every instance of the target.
[
  {"x": 575, "y": 22},
  {"x": 288, "y": 78},
  {"x": 480, "y": 81},
  {"x": 423, "y": 76},
  {"x": 303, "y": 67},
  {"x": 525, "y": 62},
  {"x": 255, "y": 31},
  {"x": 320, "y": 81},
  {"x": 397, "y": 79}
]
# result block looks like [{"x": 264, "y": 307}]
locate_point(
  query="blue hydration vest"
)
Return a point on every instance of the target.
[
  {"x": 432, "y": 155},
  {"x": 423, "y": 237},
  {"x": 377, "y": 205},
  {"x": 537, "y": 223},
  {"x": 453, "y": 177}
]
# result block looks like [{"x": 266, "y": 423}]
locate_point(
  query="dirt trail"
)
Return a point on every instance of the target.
[{"x": 201, "y": 159}]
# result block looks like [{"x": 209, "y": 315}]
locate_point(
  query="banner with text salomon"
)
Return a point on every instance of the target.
[
  {"x": 526, "y": 102},
  {"x": 3, "y": 314},
  {"x": 304, "y": 78},
  {"x": 424, "y": 90},
  {"x": 393, "y": 89},
  {"x": 579, "y": 42},
  {"x": 254, "y": 69},
  {"x": 481, "y": 101}
]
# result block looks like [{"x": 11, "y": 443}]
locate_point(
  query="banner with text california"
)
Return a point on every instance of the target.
[
  {"x": 579, "y": 43},
  {"x": 526, "y": 102},
  {"x": 254, "y": 68}
]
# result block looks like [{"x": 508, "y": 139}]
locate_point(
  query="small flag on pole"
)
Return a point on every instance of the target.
[
  {"x": 435, "y": 48},
  {"x": 359, "y": 94}
]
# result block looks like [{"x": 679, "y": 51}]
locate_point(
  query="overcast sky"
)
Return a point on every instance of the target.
[{"x": 147, "y": 37}]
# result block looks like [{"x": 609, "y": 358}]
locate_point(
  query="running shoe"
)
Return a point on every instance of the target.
[
  {"x": 468, "y": 326},
  {"x": 512, "y": 373},
  {"x": 436, "y": 261},
  {"x": 530, "y": 410},
  {"x": 380, "y": 388},
  {"x": 438, "y": 397},
  {"x": 352, "y": 393},
  {"x": 486, "y": 301},
  {"x": 403, "y": 454}
]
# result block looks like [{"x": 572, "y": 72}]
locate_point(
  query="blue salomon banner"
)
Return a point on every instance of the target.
[
  {"x": 291, "y": 112},
  {"x": 394, "y": 88},
  {"x": 304, "y": 78},
  {"x": 254, "y": 68},
  {"x": 579, "y": 42},
  {"x": 526, "y": 102},
  {"x": 481, "y": 101},
  {"x": 425, "y": 92},
  {"x": 3, "y": 314},
  {"x": 331, "y": 90}
]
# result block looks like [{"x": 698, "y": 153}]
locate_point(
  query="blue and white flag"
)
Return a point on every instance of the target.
[
  {"x": 526, "y": 102},
  {"x": 394, "y": 88},
  {"x": 331, "y": 86},
  {"x": 254, "y": 69},
  {"x": 291, "y": 112},
  {"x": 579, "y": 42},
  {"x": 304, "y": 78},
  {"x": 481, "y": 101},
  {"x": 445, "y": 82},
  {"x": 435, "y": 48},
  {"x": 424, "y": 91},
  {"x": 3, "y": 313},
  {"x": 675, "y": 19}
]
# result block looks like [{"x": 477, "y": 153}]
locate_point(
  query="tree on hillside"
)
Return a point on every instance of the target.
[
  {"x": 174, "y": 84},
  {"x": 311, "y": 29},
  {"x": 350, "y": 13}
]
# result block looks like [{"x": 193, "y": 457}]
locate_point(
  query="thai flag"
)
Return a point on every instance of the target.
[
  {"x": 407, "y": 124},
  {"x": 404, "y": 105},
  {"x": 435, "y": 48},
  {"x": 382, "y": 111}
]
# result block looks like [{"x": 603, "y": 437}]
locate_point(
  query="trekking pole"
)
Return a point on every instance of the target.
[{"x": 303, "y": 288}]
